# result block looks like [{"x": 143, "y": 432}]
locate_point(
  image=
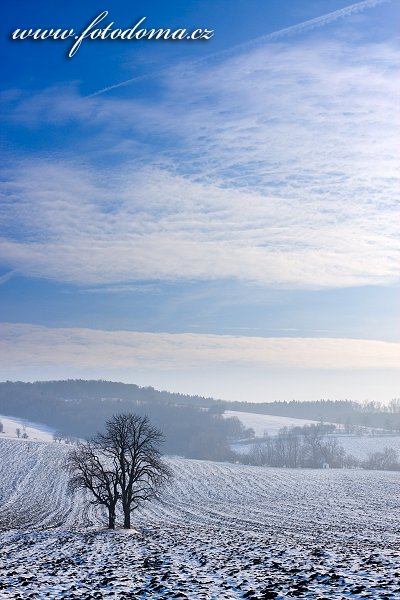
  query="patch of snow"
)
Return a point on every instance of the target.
[
  {"x": 266, "y": 423},
  {"x": 37, "y": 432},
  {"x": 361, "y": 446}
]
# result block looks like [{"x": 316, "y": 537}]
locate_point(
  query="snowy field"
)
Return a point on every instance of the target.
[
  {"x": 220, "y": 532},
  {"x": 361, "y": 446},
  {"x": 266, "y": 423},
  {"x": 35, "y": 431},
  {"x": 357, "y": 445}
]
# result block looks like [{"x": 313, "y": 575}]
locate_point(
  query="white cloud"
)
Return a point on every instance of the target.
[
  {"x": 34, "y": 346},
  {"x": 230, "y": 367},
  {"x": 320, "y": 21},
  {"x": 6, "y": 277},
  {"x": 278, "y": 166},
  {"x": 154, "y": 225}
]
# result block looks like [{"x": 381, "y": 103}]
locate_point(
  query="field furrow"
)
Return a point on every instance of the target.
[{"x": 220, "y": 531}]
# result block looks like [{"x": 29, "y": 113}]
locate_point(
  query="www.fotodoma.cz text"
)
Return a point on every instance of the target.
[{"x": 109, "y": 32}]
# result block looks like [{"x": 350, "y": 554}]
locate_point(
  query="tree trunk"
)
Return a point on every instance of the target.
[
  {"x": 111, "y": 518},
  {"x": 127, "y": 518}
]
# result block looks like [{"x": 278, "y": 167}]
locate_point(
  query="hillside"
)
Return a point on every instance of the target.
[
  {"x": 78, "y": 406},
  {"x": 193, "y": 426},
  {"x": 270, "y": 424},
  {"x": 219, "y": 531},
  {"x": 343, "y": 412},
  {"x": 15, "y": 428}
]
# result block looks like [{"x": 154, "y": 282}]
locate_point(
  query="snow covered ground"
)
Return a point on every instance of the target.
[
  {"x": 361, "y": 446},
  {"x": 357, "y": 445},
  {"x": 34, "y": 431},
  {"x": 221, "y": 531},
  {"x": 266, "y": 423}
]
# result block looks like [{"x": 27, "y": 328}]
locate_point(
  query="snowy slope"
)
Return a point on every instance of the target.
[
  {"x": 34, "y": 431},
  {"x": 220, "y": 531},
  {"x": 266, "y": 423},
  {"x": 361, "y": 446}
]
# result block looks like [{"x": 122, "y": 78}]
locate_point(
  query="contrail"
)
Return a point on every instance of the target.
[
  {"x": 4, "y": 278},
  {"x": 300, "y": 27}
]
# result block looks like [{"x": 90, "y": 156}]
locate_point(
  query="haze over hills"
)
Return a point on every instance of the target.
[{"x": 193, "y": 425}]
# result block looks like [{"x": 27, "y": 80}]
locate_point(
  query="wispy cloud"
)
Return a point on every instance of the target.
[
  {"x": 278, "y": 166},
  {"x": 76, "y": 230},
  {"x": 230, "y": 367},
  {"x": 33, "y": 346},
  {"x": 6, "y": 277},
  {"x": 310, "y": 24}
]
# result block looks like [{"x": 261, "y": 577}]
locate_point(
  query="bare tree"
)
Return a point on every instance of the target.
[
  {"x": 123, "y": 463},
  {"x": 92, "y": 468},
  {"x": 58, "y": 436},
  {"x": 385, "y": 460},
  {"x": 313, "y": 441},
  {"x": 134, "y": 444}
]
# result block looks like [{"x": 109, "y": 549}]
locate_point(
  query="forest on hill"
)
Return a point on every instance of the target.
[
  {"x": 79, "y": 408},
  {"x": 193, "y": 426},
  {"x": 344, "y": 412}
]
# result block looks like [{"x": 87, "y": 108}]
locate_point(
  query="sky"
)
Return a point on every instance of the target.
[{"x": 214, "y": 216}]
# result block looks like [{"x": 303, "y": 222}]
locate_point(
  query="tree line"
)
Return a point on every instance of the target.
[
  {"x": 77, "y": 409},
  {"x": 344, "y": 412},
  {"x": 313, "y": 447},
  {"x": 298, "y": 447},
  {"x": 34, "y": 400}
]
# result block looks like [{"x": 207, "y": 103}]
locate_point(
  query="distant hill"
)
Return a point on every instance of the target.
[
  {"x": 192, "y": 425},
  {"x": 72, "y": 389},
  {"x": 267, "y": 424},
  {"x": 344, "y": 412},
  {"x": 80, "y": 408}
]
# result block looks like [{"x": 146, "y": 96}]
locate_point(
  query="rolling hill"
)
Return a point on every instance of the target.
[{"x": 219, "y": 531}]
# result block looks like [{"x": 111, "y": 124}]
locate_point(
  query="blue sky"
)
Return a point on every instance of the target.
[{"x": 216, "y": 217}]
